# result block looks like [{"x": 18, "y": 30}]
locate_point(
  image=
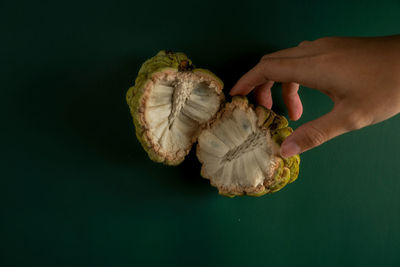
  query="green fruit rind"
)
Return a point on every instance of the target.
[
  {"x": 293, "y": 162},
  {"x": 263, "y": 115},
  {"x": 294, "y": 168},
  {"x": 281, "y": 180},
  {"x": 278, "y": 122},
  {"x": 281, "y": 134},
  {"x": 270, "y": 119}
]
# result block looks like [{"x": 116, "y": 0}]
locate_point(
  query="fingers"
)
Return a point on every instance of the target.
[
  {"x": 289, "y": 90},
  {"x": 292, "y": 100},
  {"x": 263, "y": 94},
  {"x": 297, "y": 51},
  {"x": 314, "y": 133},
  {"x": 255, "y": 77},
  {"x": 299, "y": 70}
]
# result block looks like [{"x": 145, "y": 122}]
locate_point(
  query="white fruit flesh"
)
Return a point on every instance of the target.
[
  {"x": 237, "y": 155},
  {"x": 177, "y": 104}
]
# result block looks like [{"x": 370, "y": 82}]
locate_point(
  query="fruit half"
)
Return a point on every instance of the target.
[
  {"x": 239, "y": 151},
  {"x": 171, "y": 102}
]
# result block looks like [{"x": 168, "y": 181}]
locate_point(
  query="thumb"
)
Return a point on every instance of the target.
[{"x": 314, "y": 133}]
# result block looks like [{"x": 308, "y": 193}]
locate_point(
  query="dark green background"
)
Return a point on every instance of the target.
[{"x": 76, "y": 188}]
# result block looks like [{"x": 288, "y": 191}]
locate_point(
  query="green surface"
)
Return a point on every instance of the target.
[{"x": 77, "y": 189}]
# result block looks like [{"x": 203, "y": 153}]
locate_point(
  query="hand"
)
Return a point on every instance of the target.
[{"x": 360, "y": 75}]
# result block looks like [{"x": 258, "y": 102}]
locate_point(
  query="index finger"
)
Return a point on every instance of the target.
[
  {"x": 249, "y": 81},
  {"x": 278, "y": 69}
]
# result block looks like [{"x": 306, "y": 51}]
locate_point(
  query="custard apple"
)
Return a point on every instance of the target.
[{"x": 171, "y": 102}]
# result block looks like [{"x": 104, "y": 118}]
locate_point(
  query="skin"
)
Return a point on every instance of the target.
[{"x": 360, "y": 75}]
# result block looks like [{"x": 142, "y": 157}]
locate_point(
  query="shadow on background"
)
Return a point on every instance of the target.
[{"x": 85, "y": 105}]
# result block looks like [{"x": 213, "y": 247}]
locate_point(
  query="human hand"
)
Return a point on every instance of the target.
[{"x": 360, "y": 75}]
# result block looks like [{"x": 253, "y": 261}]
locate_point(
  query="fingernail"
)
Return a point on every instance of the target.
[
  {"x": 232, "y": 92},
  {"x": 290, "y": 149}
]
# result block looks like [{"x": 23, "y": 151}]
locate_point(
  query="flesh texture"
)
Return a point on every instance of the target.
[
  {"x": 237, "y": 154},
  {"x": 178, "y": 104}
]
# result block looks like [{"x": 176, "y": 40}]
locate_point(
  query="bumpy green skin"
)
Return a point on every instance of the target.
[
  {"x": 164, "y": 60},
  {"x": 288, "y": 169}
]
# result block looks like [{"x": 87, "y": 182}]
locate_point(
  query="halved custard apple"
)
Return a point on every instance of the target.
[
  {"x": 171, "y": 102},
  {"x": 239, "y": 151}
]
